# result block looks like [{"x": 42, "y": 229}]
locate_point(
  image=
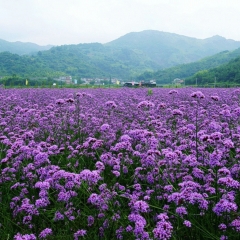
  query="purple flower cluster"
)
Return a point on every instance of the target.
[
  {"x": 120, "y": 164},
  {"x": 44, "y": 233}
]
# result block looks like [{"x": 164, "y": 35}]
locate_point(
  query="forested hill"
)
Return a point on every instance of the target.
[
  {"x": 169, "y": 49},
  {"x": 21, "y": 48},
  {"x": 25, "y": 66},
  {"x": 227, "y": 73},
  {"x": 83, "y": 60},
  {"x": 183, "y": 71},
  {"x": 125, "y": 57}
]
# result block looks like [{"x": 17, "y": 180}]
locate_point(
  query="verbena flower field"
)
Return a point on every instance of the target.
[{"x": 119, "y": 164}]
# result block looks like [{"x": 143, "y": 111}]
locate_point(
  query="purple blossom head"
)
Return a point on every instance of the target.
[
  {"x": 198, "y": 94},
  {"x": 129, "y": 228},
  {"x": 125, "y": 138},
  {"x": 229, "y": 182},
  {"x": 162, "y": 106},
  {"x": 235, "y": 224},
  {"x": 173, "y": 92},
  {"x": 223, "y": 237},
  {"x": 41, "y": 158},
  {"x": 91, "y": 177},
  {"x": 135, "y": 217},
  {"x": 44, "y": 233},
  {"x": 228, "y": 143},
  {"x": 181, "y": 211},
  {"x": 215, "y": 97},
  {"x": 100, "y": 166},
  {"x": 224, "y": 206},
  {"x": 105, "y": 127},
  {"x": 177, "y": 112},
  {"x": 222, "y": 226},
  {"x": 60, "y": 101},
  {"x": 224, "y": 171},
  {"x": 111, "y": 104},
  {"x": 42, "y": 185},
  {"x": 141, "y": 206},
  {"x": 79, "y": 233},
  {"x": 187, "y": 223},
  {"x": 90, "y": 220},
  {"x": 19, "y": 236},
  {"x": 145, "y": 104},
  {"x": 163, "y": 229},
  {"x": 58, "y": 216}
]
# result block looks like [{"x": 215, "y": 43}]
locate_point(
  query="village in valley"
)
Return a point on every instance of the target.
[{"x": 107, "y": 81}]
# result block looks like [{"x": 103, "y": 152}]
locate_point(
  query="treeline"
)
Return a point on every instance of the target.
[
  {"x": 25, "y": 66},
  {"x": 184, "y": 71},
  {"x": 15, "y": 81},
  {"x": 226, "y": 74},
  {"x": 96, "y": 60},
  {"x": 85, "y": 60}
]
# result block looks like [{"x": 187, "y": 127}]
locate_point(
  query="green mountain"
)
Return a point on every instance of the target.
[
  {"x": 169, "y": 49},
  {"x": 21, "y": 48},
  {"x": 183, "y": 71},
  {"x": 95, "y": 60},
  {"x": 82, "y": 60},
  {"x": 125, "y": 57},
  {"x": 224, "y": 74},
  {"x": 24, "y": 66}
]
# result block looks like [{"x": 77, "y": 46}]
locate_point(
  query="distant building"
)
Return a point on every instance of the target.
[
  {"x": 131, "y": 84},
  {"x": 178, "y": 81},
  {"x": 140, "y": 84},
  {"x": 66, "y": 79}
]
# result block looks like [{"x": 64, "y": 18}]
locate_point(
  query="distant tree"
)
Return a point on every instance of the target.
[
  {"x": 79, "y": 80},
  {"x": 104, "y": 81}
]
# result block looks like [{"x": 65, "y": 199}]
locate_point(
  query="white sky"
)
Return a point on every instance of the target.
[{"x": 61, "y": 22}]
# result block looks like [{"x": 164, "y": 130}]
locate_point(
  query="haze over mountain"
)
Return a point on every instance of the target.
[
  {"x": 227, "y": 73},
  {"x": 184, "y": 71},
  {"x": 125, "y": 57},
  {"x": 21, "y": 48},
  {"x": 170, "y": 49}
]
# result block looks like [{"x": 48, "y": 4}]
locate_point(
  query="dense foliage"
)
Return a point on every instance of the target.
[
  {"x": 21, "y": 48},
  {"x": 25, "y": 66},
  {"x": 83, "y": 60},
  {"x": 16, "y": 81},
  {"x": 119, "y": 164},
  {"x": 183, "y": 71},
  {"x": 169, "y": 49},
  {"x": 126, "y": 57},
  {"x": 226, "y": 73}
]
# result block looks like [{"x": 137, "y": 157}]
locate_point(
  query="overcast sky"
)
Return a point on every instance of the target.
[{"x": 61, "y": 22}]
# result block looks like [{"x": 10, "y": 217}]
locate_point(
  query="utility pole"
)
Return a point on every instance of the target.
[
  {"x": 196, "y": 82},
  {"x": 215, "y": 81},
  {"x": 110, "y": 80}
]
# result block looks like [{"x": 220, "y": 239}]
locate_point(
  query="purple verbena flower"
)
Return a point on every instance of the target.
[
  {"x": 141, "y": 206},
  {"x": 187, "y": 223},
  {"x": 79, "y": 233},
  {"x": 46, "y": 232},
  {"x": 235, "y": 224},
  {"x": 19, "y": 236}
]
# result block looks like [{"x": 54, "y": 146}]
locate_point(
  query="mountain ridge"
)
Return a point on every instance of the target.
[
  {"x": 126, "y": 57},
  {"x": 21, "y": 48},
  {"x": 174, "y": 45},
  {"x": 184, "y": 71}
]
